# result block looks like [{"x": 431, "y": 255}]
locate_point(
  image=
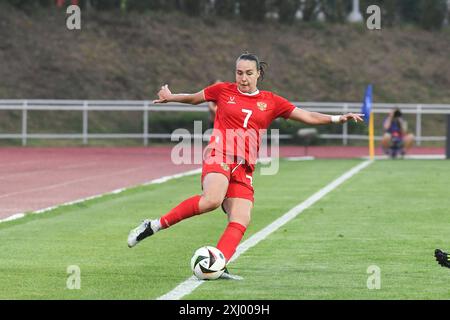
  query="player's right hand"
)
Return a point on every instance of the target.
[{"x": 163, "y": 94}]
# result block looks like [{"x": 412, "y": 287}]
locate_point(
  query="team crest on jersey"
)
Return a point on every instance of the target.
[
  {"x": 262, "y": 106},
  {"x": 225, "y": 166},
  {"x": 231, "y": 100}
]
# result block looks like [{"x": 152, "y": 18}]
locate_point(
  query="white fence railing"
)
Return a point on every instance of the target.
[{"x": 85, "y": 106}]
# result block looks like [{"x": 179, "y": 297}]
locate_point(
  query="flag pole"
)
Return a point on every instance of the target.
[{"x": 371, "y": 137}]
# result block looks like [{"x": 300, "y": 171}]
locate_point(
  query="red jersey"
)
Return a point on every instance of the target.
[{"x": 241, "y": 119}]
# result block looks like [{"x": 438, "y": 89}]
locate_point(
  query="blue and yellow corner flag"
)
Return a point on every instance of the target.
[
  {"x": 367, "y": 104},
  {"x": 368, "y": 118}
]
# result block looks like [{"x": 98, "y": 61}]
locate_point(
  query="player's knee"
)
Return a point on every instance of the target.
[{"x": 212, "y": 202}]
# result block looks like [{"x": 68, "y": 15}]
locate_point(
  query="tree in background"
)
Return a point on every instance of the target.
[
  {"x": 433, "y": 14},
  {"x": 335, "y": 11},
  {"x": 286, "y": 10},
  {"x": 225, "y": 8},
  {"x": 26, "y": 3},
  {"x": 427, "y": 14},
  {"x": 153, "y": 5},
  {"x": 193, "y": 7},
  {"x": 409, "y": 10},
  {"x": 251, "y": 10},
  {"x": 309, "y": 9},
  {"x": 105, "y": 4}
]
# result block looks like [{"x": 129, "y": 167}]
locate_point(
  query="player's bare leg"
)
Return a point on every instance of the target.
[
  {"x": 215, "y": 186},
  {"x": 238, "y": 210}
]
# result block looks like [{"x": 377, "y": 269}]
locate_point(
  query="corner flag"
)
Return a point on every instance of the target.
[
  {"x": 367, "y": 104},
  {"x": 368, "y": 117}
]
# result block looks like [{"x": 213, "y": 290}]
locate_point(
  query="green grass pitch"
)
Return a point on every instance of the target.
[{"x": 391, "y": 215}]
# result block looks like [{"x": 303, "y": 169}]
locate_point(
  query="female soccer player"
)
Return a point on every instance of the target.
[{"x": 229, "y": 161}]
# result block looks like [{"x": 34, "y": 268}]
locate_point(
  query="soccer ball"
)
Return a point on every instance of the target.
[{"x": 208, "y": 263}]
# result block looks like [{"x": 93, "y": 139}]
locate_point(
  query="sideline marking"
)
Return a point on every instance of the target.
[
  {"x": 411, "y": 157},
  {"x": 192, "y": 283}
]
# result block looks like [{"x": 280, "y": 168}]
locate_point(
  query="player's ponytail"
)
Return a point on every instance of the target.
[{"x": 260, "y": 65}]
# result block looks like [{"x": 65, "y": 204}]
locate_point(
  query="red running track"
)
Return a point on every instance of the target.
[
  {"x": 32, "y": 179},
  {"x": 38, "y": 178}
]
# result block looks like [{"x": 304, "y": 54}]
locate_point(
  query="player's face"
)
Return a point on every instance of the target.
[{"x": 246, "y": 76}]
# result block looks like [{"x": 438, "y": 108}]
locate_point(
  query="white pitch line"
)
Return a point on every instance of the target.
[
  {"x": 155, "y": 181},
  {"x": 192, "y": 283},
  {"x": 305, "y": 158},
  {"x": 410, "y": 157}
]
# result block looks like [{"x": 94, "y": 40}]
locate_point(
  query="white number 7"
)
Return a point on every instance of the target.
[{"x": 249, "y": 113}]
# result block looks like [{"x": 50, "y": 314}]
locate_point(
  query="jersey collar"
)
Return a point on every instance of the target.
[{"x": 248, "y": 94}]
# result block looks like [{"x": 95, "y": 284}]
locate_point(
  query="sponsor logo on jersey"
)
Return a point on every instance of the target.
[
  {"x": 262, "y": 106},
  {"x": 231, "y": 100}
]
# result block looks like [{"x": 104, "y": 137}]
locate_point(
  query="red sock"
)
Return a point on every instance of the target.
[
  {"x": 230, "y": 239},
  {"x": 184, "y": 210}
]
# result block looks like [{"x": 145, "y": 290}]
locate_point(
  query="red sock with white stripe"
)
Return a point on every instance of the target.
[
  {"x": 230, "y": 239},
  {"x": 184, "y": 210}
]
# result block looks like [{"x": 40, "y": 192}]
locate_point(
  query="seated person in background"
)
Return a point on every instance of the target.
[{"x": 396, "y": 132}]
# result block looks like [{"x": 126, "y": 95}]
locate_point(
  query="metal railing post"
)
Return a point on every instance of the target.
[
  {"x": 345, "y": 128},
  {"x": 145, "y": 123},
  {"x": 24, "y": 122},
  {"x": 419, "y": 124},
  {"x": 85, "y": 122}
]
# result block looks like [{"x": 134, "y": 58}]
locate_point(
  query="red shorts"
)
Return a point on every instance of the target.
[{"x": 239, "y": 175}]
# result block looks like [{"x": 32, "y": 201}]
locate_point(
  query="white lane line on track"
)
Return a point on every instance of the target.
[
  {"x": 189, "y": 285},
  {"x": 155, "y": 181}
]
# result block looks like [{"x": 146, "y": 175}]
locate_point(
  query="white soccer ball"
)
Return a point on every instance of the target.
[{"x": 208, "y": 263}]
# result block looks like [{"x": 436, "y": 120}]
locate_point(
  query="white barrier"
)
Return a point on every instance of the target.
[{"x": 85, "y": 106}]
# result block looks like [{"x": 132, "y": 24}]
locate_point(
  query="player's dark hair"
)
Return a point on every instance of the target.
[{"x": 260, "y": 65}]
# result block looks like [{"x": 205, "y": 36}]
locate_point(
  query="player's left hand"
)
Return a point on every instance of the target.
[
  {"x": 164, "y": 94},
  {"x": 349, "y": 116}
]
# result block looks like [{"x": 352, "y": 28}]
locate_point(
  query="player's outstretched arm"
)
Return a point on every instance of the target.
[
  {"x": 315, "y": 118},
  {"x": 165, "y": 95}
]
